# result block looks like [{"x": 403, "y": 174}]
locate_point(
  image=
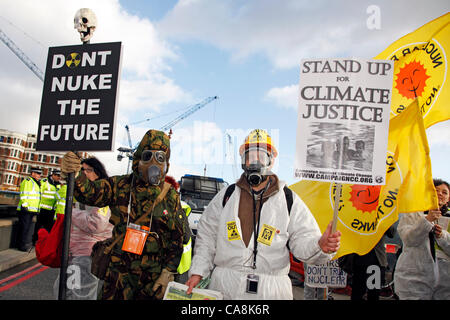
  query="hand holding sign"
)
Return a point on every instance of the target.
[
  {"x": 330, "y": 242},
  {"x": 71, "y": 162}
]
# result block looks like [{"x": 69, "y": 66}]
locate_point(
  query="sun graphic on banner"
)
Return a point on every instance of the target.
[
  {"x": 411, "y": 80},
  {"x": 365, "y": 198}
]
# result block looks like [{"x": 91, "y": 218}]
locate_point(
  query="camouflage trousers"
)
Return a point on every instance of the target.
[{"x": 131, "y": 277}]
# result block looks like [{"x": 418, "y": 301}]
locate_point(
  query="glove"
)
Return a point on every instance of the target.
[
  {"x": 161, "y": 283},
  {"x": 70, "y": 163}
]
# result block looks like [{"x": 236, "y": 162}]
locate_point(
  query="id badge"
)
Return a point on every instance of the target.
[
  {"x": 252, "y": 283},
  {"x": 135, "y": 240}
]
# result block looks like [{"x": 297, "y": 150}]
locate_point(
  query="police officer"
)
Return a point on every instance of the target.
[
  {"x": 28, "y": 207},
  {"x": 49, "y": 190}
]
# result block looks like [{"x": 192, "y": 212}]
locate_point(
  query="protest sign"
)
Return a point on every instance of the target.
[
  {"x": 325, "y": 275},
  {"x": 79, "y": 98},
  {"x": 343, "y": 120}
]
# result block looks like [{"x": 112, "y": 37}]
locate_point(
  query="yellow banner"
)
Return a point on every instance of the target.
[
  {"x": 366, "y": 212},
  {"x": 407, "y": 134},
  {"x": 420, "y": 70}
]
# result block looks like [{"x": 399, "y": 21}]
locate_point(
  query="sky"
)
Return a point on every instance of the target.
[{"x": 177, "y": 53}]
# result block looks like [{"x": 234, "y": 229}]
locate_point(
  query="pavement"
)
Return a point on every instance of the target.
[{"x": 12, "y": 257}]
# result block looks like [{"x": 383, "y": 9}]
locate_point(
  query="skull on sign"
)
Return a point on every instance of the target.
[{"x": 85, "y": 22}]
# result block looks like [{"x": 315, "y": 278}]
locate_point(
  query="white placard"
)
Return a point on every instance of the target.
[{"x": 343, "y": 120}]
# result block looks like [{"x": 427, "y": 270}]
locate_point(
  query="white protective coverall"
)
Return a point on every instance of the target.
[
  {"x": 416, "y": 273},
  {"x": 217, "y": 246}
]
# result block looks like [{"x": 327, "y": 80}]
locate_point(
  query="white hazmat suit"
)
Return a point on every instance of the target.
[
  {"x": 416, "y": 273},
  {"x": 219, "y": 245}
]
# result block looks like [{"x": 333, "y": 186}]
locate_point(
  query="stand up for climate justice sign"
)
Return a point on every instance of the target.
[
  {"x": 79, "y": 98},
  {"x": 343, "y": 120}
]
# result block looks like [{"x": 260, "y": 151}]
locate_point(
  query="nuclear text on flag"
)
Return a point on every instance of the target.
[{"x": 420, "y": 70}]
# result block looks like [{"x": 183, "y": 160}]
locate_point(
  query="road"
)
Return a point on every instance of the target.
[
  {"x": 28, "y": 281},
  {"x": 33, "y": 281}
]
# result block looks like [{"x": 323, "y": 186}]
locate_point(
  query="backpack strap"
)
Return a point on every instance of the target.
[
  {"x": 228, "y": 193},
  {"x": 289, "y": 198}
]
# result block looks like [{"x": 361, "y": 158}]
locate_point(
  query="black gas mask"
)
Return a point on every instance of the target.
[
  {"x": 153, "y": 166},
  {"x": 256, "y": 165}
]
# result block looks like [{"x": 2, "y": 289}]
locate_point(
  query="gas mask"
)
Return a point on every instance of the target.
[
  {"x": 153, "y": 166},
  {"x": 256, "y": 165}
]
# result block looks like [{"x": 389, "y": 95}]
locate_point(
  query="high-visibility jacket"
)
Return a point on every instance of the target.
[
  {"x": 48, "y": 195},
  {"x": 61, "y": 200},
  {"x": 186, "y": 257},
  {"x": 30, "y": 195}
]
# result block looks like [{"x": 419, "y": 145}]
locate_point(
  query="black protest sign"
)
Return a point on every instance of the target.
[{"x": 79, "y": 98}]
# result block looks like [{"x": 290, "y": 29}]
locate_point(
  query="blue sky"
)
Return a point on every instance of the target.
[{"x": 177, "y": 53}]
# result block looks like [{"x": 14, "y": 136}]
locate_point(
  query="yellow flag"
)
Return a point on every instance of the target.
[
  {"x": 420, "y": 70},
  {"x": 407, "y": 135},
  {"x": 366, "y": 212}
]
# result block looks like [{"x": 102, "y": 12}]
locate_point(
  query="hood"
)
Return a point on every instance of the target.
[{"x": 152, "y": 140}]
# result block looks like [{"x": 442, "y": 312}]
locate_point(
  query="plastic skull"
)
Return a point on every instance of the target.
[{"x": 85, "y": 22}]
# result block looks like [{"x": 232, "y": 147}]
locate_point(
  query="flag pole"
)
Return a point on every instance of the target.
[
  {"x": 67, "y": 226},
  {"x": 337, "y": 197},
  {"x": 337, "y": 194},
  {"x": 66, "y": 237}
]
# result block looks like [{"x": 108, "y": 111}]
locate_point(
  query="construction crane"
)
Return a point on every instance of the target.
[
  {"x": 21, "y": 55},
  {"x": 128, "y": 152},
  {"x": 188, "y": 113}
]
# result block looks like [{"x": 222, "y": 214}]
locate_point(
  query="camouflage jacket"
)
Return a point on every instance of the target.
[{"x": 168, "y": 217}]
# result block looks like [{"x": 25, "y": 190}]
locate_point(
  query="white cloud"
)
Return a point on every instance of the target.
[
  {"x": 36, "y": 25},
  {"x": 289, "y": 30},
  {"x": 285, "y": 97},
  {"x": 149, "y": 94},
  {"x": 439, "y": 135},
  {"x": 199, "y": 144}
]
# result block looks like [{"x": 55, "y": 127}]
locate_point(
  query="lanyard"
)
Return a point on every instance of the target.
[
  {"x": 136, "y": 226},
  {"x": 255, "y": 225}
]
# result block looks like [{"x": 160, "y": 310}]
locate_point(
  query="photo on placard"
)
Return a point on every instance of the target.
[{"x": 325, "y": 141}]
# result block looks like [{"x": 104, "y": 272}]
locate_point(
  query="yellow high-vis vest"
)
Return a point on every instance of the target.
[
  {"x": 30, "y": 195},
  {"x": 48, "y": 195},
  {"x": 61, "y": 200},
  {"x": 186, "y": 257}
]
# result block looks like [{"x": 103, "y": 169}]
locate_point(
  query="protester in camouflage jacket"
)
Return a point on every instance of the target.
[{"x": 132, "y": 276}]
